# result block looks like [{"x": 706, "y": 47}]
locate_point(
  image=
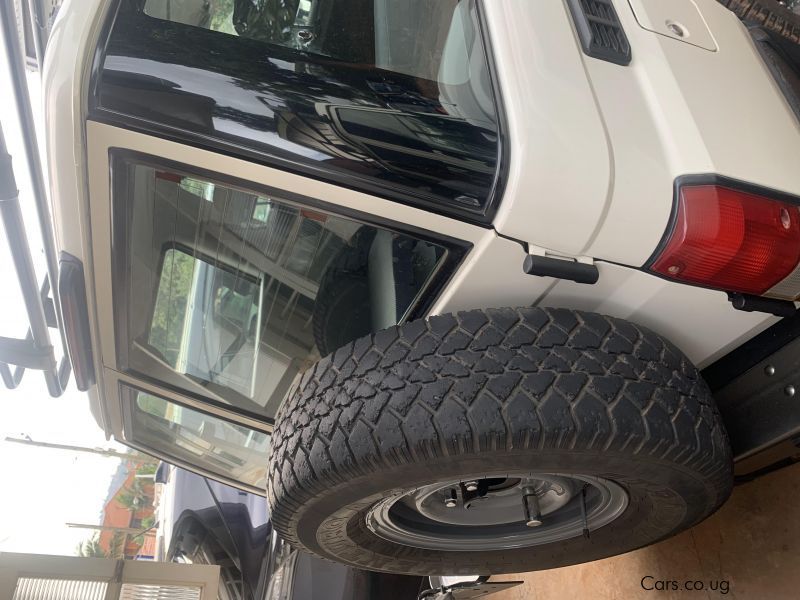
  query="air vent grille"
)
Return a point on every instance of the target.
[{"x": 600, "y": 31}]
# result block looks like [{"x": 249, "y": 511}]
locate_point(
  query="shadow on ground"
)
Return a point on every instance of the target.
[{"x": 750, "y": 547}]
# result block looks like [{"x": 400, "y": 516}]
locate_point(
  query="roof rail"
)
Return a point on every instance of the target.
[{"x": 35, "y": 351}]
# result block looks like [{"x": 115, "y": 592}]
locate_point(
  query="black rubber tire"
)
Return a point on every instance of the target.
[
  {"x": 769, "y": 14},
  {"x": 342, "y": 312},
  {"x": 493, "y": 391}
]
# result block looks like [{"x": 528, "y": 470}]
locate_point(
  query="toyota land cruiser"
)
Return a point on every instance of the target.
[{"x": 460, "y": 285}]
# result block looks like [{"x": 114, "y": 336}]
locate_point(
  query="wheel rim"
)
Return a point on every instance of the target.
[{"x": 499, "y": 512}]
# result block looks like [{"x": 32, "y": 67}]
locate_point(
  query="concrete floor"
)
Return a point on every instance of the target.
[{"x": 752, "y": 543}]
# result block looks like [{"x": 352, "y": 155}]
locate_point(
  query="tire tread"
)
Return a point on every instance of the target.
[
  {"x": 483, "y": 380},
  {"x": 769, "y": 14}
]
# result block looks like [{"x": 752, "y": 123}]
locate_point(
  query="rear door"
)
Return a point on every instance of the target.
[
  {"x": 266, "y": 187},
  {"x": 214, "y": 292}
]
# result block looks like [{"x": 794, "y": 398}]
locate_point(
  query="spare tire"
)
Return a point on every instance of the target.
[
  {"x": 342, "y": 307},
  {"x": 496, "y": 441},
  {"x": 342, "y": 312},
  {"x": 769, "y": 14}
]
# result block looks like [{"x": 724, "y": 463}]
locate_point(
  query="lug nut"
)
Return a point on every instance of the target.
[
  {"x": 769, "y": 370},
  {"x": 452, "y": 501},
  {"x": 790, "y": 390},
  {"x": 471, "y": 486}
]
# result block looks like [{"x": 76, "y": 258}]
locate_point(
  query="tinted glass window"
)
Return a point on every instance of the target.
[
  {"x": 229, "y": 294},
  {"x": 403, "y": 36},
  {"x": 203, "y": 441},
  {"x": 201, "y": 321},
  {"x": 390, "y": 96}
]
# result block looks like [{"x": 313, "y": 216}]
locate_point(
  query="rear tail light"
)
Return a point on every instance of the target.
[{"x": 733, "y": 241}]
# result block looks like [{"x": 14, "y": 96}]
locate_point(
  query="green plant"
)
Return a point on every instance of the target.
[
  {"x": 90, "y": 548},
  {"x": 135, "y": 497}
]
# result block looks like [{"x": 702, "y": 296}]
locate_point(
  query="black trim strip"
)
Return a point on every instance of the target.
[
  {"x": 77, "y": 332},
  {"x": 503, "y": 133}
]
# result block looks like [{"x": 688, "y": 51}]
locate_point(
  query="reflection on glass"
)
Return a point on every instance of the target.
[
  {"x": 389, "y": 93},
  {"x": 201, "y": 440},
  {"x": 404, "y": 36},
  {"x": 206, "y": 321},
  {"x": 231, "y": 294}
]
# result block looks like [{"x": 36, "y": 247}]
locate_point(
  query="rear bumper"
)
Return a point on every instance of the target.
[
  {"x": 757, "y": 389},
  {"x": 466, "y": 588}
]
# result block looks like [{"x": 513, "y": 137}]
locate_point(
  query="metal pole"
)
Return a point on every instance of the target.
[
  {"x": 101, "y": 451},
  {"x": 129, "y": 530},
  {"x": 11, "y": 215},
  {"x": 16, "y": 64}
]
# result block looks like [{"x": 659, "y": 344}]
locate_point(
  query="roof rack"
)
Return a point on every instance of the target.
[{"x": 42, "y": 304}]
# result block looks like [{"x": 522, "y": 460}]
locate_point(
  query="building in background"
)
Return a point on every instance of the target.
[{"x": 127, "y": 528}]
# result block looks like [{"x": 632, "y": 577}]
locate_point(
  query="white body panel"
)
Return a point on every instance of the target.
[
  {"x": 700, "y": 322},
  {"x": 65, "y": 79},
  {"x": 677, "y": 19},
  {"x": 65, "y": 74},
  {"x": 594, "y": 151},
  {"x": 596, "y": 147},
  {"x": 560, "y": 173}
]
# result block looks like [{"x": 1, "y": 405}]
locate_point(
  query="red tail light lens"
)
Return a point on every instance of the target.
[{"x": 731, "y": 240}]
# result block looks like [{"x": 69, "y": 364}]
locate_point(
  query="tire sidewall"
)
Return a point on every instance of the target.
[{"x": 657, "y": 506}]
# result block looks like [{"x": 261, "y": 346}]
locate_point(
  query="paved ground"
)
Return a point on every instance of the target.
[{"x": 751, "y": 547}]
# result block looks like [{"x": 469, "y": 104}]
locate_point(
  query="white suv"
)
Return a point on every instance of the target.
[{"x": 448, "y": 280}]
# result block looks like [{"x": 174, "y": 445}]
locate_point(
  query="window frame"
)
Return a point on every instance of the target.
[
  {"x": 125, "y": 389},
  {"x": 120, "y": 160}
]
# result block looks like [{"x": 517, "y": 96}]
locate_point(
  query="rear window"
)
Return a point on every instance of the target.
[
  {"x": 201, "y": 440},
  {"x": 392, "y": 97},
  {"x": 228, "y": 293},
  {"x": 403, "y": 36}
]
